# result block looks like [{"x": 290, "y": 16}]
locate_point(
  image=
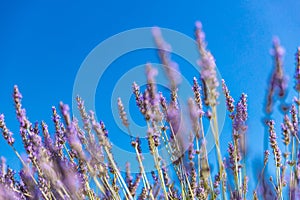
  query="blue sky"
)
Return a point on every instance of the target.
[{"x": 43, "y": 44}]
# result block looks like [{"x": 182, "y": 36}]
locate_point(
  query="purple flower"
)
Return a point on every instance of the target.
[
  {"x": 138, "y": 98},
  {"x": 197, "y": 96},
  {"x": 174, "y": 118},
  {"x": 208, "y": 67},
  {"x": 170, "y": 67},
  {"x": 200, "y": 36},
  {"x": 21, "y": 113},
  {"x": 241, "y": 114},
  {"x": 273, "y": 143},
  {"x": 65, "y": 110},
  {"x": 163, "y": 101},
  {"x": 229, "y": 99},
  {"x": 151, "y": 73},
  {"x": 294, "y": 120},
  {"x": 297, "y": 72},
  {"x": 84, "y": 115},
  {"x": 194, "y": 116},
  {"x": 277, "y": 51},
  {"x": 7, "y": 134},
  {"x": 59, "y": 132},
  {"x": 232, "y": 156},
  {"x": 48, "y": 143},
  {"x": 278, "y": 80},
  {"x": 151, "y": 86},
  {"x": 266, "y": 156},
  {"x": 73, "y": 139},
  {"x": 122, "y": 113}
]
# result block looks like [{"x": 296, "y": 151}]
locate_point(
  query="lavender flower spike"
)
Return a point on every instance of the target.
[
  {"x": 122, "y": 113},
  {"x": 241, "y": 114},
  {"x": 273, "y": 143},
  {"x": 278, "y": 80},
  {"x": 297, "y": 73},
  {"x": 21, "y": 112},
  {"x": 197, "y": 96},
  {"x": 170, "y": 67},
  {"x": 7, "y": 134},
  {"x": 229, "y": 99},
  {"x": 208, "y": 67},
  {"x": 194, "y": 115}
]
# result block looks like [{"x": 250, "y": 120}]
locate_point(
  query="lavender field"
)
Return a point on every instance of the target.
[{"x": 140, "y": 100}]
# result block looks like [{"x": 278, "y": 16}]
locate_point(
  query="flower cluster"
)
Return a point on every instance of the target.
[{"x": 77, "y": 162}]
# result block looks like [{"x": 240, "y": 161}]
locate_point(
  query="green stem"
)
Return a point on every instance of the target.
[{"x": 215, "y": 130}]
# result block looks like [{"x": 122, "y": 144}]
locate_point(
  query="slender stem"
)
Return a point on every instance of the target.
[
  {"x": 206, "y": 157},
  {"x": 120, "y": 178},
  {"x": 236, "y": 175},
  {"x": 216, "y": 136},
  {"x": 115, "y": 196},
  {"x": 157, "y": 165},
  {"x": 145, "y": 180},
  {"x": 189, "y": 185}
]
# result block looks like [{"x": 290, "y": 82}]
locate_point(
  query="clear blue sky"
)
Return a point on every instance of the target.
[{"x": 43, "y": 43}]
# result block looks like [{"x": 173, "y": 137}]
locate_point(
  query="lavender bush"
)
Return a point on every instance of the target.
[{"x": 76, "y": 162}]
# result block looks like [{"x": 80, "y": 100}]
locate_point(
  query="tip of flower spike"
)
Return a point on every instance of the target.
[
  {"x": 151, "y": 72},
  {"x": 64, "y": 108},
  {"x": 270, "y": 122},
  {"x": 276, "y": 40},
  {"x": 298, "y": 56},
  {"x": 17, "y": 93},
  {"x": 156, "y": 31},
  {"x": 79, "y": 99},
  {"x": 198, "y": 25},
  {"x": 277, "y": 48},
  {"x": 244, "y": 95}
]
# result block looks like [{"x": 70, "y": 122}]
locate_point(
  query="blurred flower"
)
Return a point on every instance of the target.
[
  {"x": 278, "y": 81},
  {"x": 208, "y": 67}
]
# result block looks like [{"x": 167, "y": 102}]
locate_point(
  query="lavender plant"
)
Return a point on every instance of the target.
[{"x": 77, "y": 162}]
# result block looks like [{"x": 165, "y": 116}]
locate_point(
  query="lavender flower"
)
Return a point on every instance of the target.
[
  {"x": 234, "y": 157},
  {"x": 241, "y": 114},
  {"x": 21, "y": 113},
  {"x": 286, "y": 134},
  {"x": 84, "y": 115},
  {"x": 197, "y": 96},
  {"x": 208, "y": 67},
  {"x": 59, "y": 132},
  {"x": 163, "y": 103},
  {"x": 278, "y": 79},
  {"x": 170, "y": 67},
  {"x": 136, "y": 92},
  {"x": 266, "y": 157},
  {"x": 7, "y": 134},
  {"x": 151, "y": 73},
  {"x": 297, "y": 71},
  {"x": 294, "y": 120},
  {"x": 80, "y": 162},
  {"x": 229, "y": 99},
  {"x": 122, "y": 113},
  {"x": 194, "y": 116},
  {"x": 274, "y": 144}
]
